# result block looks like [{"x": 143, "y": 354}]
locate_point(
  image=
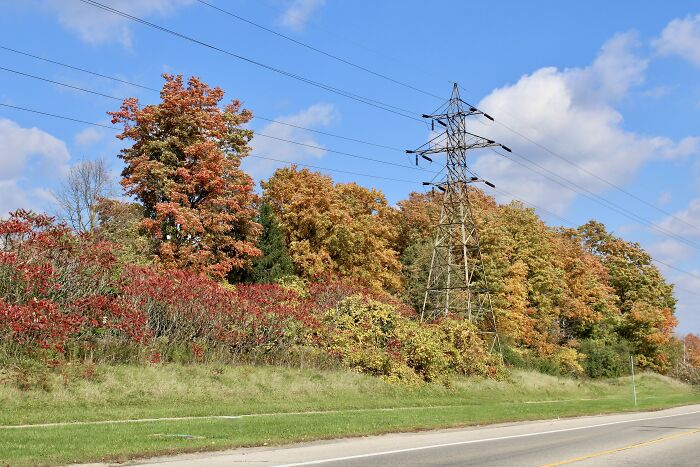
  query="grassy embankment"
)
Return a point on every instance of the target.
[{"x": 353, "y": 400}]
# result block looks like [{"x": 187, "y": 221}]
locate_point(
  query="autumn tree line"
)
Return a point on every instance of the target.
[{"x": 199, "y": 264}]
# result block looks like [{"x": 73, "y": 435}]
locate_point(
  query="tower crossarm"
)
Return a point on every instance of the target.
[
  {"x": 441, "y": 143},
  {"x": 478, "y": 143}
]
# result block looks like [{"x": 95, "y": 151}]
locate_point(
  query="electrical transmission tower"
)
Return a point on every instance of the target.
[{"x": 457, "y": 283}]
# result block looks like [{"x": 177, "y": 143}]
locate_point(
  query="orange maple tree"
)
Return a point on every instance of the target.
[
  {"x": 691, "y": 348},
  {"x": 184, "y": 167},
  {"x": 339, "y": 228}
]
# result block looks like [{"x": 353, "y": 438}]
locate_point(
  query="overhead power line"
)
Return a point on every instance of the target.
[
  {"x": 138, "y": 85},
  {"x": 355, "y": 140},
  {"x": 317, "y": 50},
  {"x": 77, "y": 88},
  {"x": 576, "y": 188},
  {"x": 359, "y": 174},
  {"x": 72, "y": 67},
  {"x": 675, "y": 268},
  {"x": 366, "y": 100},
  {"x": 539, "y": 208},
  {"x": 596, "y": 176},
  {"x": 64, "y": 117},
  {"x": 298, "y": 143}
]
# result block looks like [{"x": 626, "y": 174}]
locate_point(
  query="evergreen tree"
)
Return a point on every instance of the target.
[{"x": 275, "y": 261}]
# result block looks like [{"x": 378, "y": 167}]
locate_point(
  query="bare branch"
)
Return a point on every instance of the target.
[{"x": 86, "y": 183}]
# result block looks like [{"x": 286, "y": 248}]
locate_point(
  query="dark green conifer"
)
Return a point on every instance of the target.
[{"x": 275, "y": 261}]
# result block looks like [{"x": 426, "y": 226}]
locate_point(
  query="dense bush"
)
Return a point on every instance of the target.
[
  {"x": 606, "y": 358},
  {"x": 267, "y": 317},
  {"x": 373, "y": 337},
  {"x": 467, "y": 353},
  {"x": 59, "y": 290},
  {"x": 56, "y": 287},
  {"x": 565, "y": 361}
]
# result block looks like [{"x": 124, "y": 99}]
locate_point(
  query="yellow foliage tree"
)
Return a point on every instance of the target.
[
  {"x": 336, "y": 228},
  {"x": 548, "y": 292}
]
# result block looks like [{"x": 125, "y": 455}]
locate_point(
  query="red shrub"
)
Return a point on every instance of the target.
[
  {"x": 37, "y": 323},
  {"x": 55, "y": 286},
  {"x": 101, "y": 313},
  {"x": 185, "y": 307},
  {"x": 177, "y": 304},
  {"x": 265, "y": 315}
]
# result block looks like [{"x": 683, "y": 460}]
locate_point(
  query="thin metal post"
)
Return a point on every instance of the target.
[{"x": 634, "y": 385}]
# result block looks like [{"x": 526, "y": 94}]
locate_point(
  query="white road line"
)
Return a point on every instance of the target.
[
  {"x": 107, "y": 422},
  {"x": 461, "y": 443},
  {"x": 267, "y": 414},
  {"x": 214, "y": 417},
  {"x": 565, "y": 400}
]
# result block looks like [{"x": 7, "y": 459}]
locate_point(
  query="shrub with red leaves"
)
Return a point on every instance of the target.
[
  {"x": 180, "y": 305},
  {"x": 265, "y": 316},
  {"x": 56, "y": 286},
  {"x": 38, "y": 323},
  {"x": 183, "y": 307}
]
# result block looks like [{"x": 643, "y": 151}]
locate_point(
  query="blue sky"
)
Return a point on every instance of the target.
[{"x": 611, "y": 86}]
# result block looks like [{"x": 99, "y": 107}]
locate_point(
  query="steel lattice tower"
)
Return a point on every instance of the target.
[{"x": 457, "y": 282}]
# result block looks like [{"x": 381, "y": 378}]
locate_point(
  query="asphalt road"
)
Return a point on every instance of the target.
[{"x": 664, "y": 438}]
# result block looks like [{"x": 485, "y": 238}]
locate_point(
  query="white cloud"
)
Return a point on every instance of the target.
[
  {"x": 12, "y": 198},
  {"x": 299, "y": 12},
  {"x": 681, "y": 37},
  {"x": 44, "y": 195},
  {"x": 314, "y": 116},
  {"x": 688, "y": 146},
  {"x": 671, "y": 251},
  {"x": 16, "y": 196},
  {"x": 616, "y": 69},
  {"x": 27, "y": 151},
  {"x": 658, "y": 92},
  {"x": 96, "y": 26},
  {"x": 685, "y": 223},
  {"x": 88, "y": 137},
  {"x": 24, "y": 146},
  {"x": 571, "y": 112}
]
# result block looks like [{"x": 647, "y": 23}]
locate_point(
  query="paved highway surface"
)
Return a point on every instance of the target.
[{"x": 665, "y": 438}]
